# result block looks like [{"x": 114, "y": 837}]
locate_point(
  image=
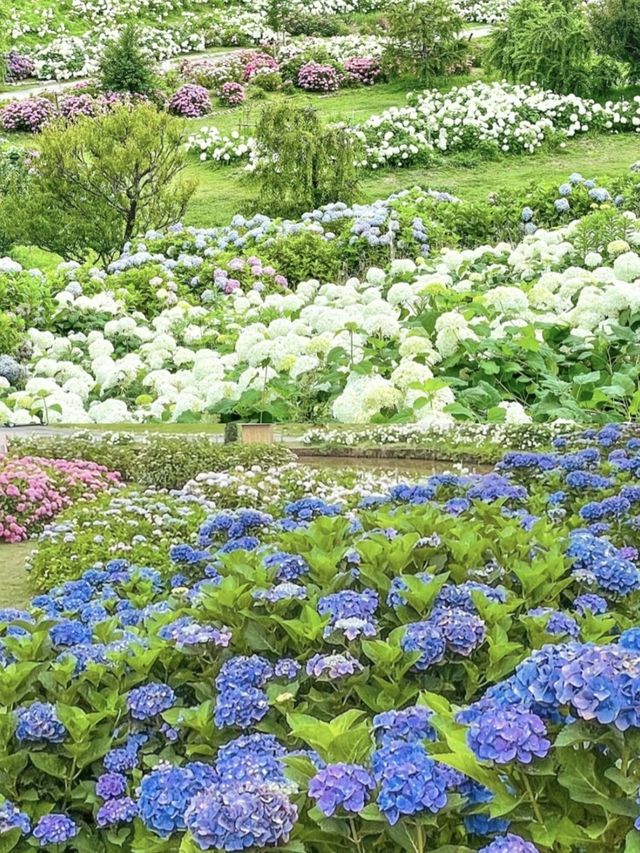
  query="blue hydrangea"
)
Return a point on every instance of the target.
[
  {"x": 345, "y": 786},
  {"x": 307, "y": 509},
  {"x": 146, "y": 702},
  {"x": 70, "y": 632},
  {"x": 254, "y": 757},
  {"x": 185, "y": 632},
  {"x": 281, "y": 592},
  {"x": 289, "y": 567},
  {"x": 54, "y": 829},
  {"x": 426, "y": 638},
  {"x": 611, "y": 507},
  {"x": 586, "y": 480},
  {"x": 462, "y": 632},
  {"x": 630, "y": 639},
  {"x": 39, "y": 723},
  {"x": 459, "y": 596},
  {"x": 164, "y": 795},
  {"x": 116, "y": 812},
  {"x": 590, "y": 603},
  {"x": 12, "y": 818},
  {"x": 509, "y": 843},
  {"x": 410, "y": 782},
  {"x": 347, "y": 604},
  {"x": 121, "y": 760},
  {"x": 395, "y": 598},
  {"x": 617, "y": 576},
  {"x": 241, "y": 816},
  {"x": 240, "y": 707},
  {"x": 408, "y": 726},
  {"x": 287, "y": 668},
  {"x": 508, "y": 734},
  {"x": 556, "y": 622},
  {"x": 243, "y": 672}
]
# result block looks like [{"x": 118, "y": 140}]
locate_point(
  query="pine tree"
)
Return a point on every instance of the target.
[{"x": 124, "y": 67}]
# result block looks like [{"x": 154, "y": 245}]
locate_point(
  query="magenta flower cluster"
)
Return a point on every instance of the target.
[
  {"x": 363, "y": 70},
  {"x": 318, "y": 77},
  {"x": 257, "y": 63},
  {"x": 190, "y": 101},
  {"x": 233, "y": 93}
]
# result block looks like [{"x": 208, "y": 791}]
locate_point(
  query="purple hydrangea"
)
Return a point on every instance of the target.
[
  {"x": 346, "y": 786},
  {"x": 190, "y": 101},
  {"x": 185, "y": 632},
  {"x": 116, "y": 811},
  {"x": 110, "y": 786},
  {"x": 590, "y": 603},
  {"x": 508, "y": 734},
  {"x": 330, "y": 667}
]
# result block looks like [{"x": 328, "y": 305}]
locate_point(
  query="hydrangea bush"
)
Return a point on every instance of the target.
[
  {"x": 453, "y": 664},
  {"x": 34, "y": 490}
]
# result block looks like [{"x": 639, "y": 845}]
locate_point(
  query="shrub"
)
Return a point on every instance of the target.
[
  {"x": 74, "y": 106},
  {"x": 302, "y": 164},
  {"x": 99, "y": 181},
  {"x": 19, "y": 67},
  {"x": 549, "y": 42},
  {"x": 423, "y": 38},
  {"x": 124, "y": 67},
  {"x": 190, "y": 101},
  {"x": 33, "y": 490},
  {"x": 363, "y": 70},
  {"x": 233, "y": 93},
  {"x": 616, "y": 24},
  {"x": 315, "y": 77},
  {"x": 30, "y": 115},
  {"x": 160, "y": 461}
]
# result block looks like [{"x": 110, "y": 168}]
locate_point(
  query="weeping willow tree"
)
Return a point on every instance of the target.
[
  {"x": 548, "y": 41},
  {"x": 301, "y": 163}
]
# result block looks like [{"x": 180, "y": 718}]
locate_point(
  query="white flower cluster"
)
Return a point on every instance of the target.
[
  {"x": 359, "y": 345},
  {"x": 516, "y": 431},
  {"x": 505, "y": 117},
  {"x": 500, "y": 116},
  {"x": 209, "y": 144}
]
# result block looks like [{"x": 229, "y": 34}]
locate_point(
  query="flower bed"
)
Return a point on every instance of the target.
[
  {"x": 141, "y": 526},
  {"x": 33, "y": 490},
  {"x": 424, "y": 341},
  {"x": 154, "y": 460},
  {"x": 437, "y": 668}
]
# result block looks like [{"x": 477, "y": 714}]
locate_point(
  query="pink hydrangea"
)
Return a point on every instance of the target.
[
  {"x": 190, "y": 101},
  {"x": 29, "y": 115},
  {"x": 363, "y": 70},
  {"x": 316, "y": 77},
  {"x": 34, "y": 490},
  {"x": 233, "y": 94},
  {"x": 258, "y": 62}
]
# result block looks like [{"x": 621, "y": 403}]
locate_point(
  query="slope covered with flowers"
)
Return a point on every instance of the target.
[
  {"x": 541, "y": 329},
  {"x": 453, "y": 664}
]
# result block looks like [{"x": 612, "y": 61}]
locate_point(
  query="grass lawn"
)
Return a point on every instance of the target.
[
  {"x": 224, "y": 191},
  {"x": 281, "y": 430},
  {"x": 14, "y": 581}
]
